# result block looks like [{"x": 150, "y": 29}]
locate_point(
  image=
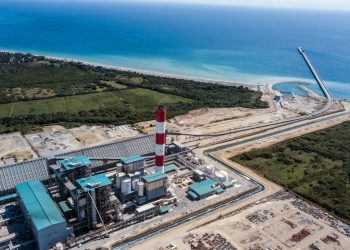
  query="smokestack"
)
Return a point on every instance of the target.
[{"x": 160, "y": 138}]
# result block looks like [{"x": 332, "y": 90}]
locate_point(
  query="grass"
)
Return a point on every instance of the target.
[
  {"x": 37, "y": 107},
  {"x": 145, "y": 98},
  {"x": 316, "y": 166},
  {"x": 94, "y": 101},
  {"x": 132, "y": 98},
  {"x": 5, "y": 109}
]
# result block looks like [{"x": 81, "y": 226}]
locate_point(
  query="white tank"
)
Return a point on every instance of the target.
[
  {"x": 140, "y": 188},
  {"x": 118, "y": 180},
  {"x": 59, "y": 246},
  {"x": 220, "y": 176},
  {"x": 137, "y": 173},
  {"x": 195, "y": 160},
  {"x": 189, "y": 156},
  {"x": 224, "y": 173},
  {"x": 119, "y": 166},
  {"x": 126, "y": 186},
  {"x": 134, "y": 184},
  {"x": 209, "y": 169}
]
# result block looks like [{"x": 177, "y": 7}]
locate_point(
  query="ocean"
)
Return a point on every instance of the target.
[{"x": 246, "y": 45}]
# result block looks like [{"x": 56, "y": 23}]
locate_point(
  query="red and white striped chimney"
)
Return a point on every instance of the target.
[{"x": 160, "y": 138}]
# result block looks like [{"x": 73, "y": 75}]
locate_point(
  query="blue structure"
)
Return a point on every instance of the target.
[
  {"x": 133, "y": 163},
  {"x": 92, "y": 182},
  {"x": 169, "y": 168},
  {"x": 154, "y": 177},
  {"x": 131, "y": 159},
  {"x": 41, "y": 213},
  {"x": 76, "y": 162},
  {"x": 201, "y": 190},
  {"x": 155, "y": 185}
]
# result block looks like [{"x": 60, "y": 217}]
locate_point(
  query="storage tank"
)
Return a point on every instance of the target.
[
  {"x": 126, "y": 186},
  {"x": 195, "y": 160},
  {"x": 220, "y": 176},
  {"x": 224, "y": 173},
  {"x": 118, "y": 180},
  {"x": 59, "y": 246},
  {"x": 140, "y": 188},
  {"x": 189, "y": 156},
  {"x": 134, "y": 184},
  {"x": 209, "y": 169},
  {"x": 119, "y": 166}
]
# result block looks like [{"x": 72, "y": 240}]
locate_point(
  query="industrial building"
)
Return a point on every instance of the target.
[
  {"x": 84, "y": 193},
  {"x": 203, "y": 189},
  {"x": 46, "y": 222},
  {"x": 155, "y": 185}
]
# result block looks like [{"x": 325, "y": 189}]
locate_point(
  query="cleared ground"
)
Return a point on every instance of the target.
[
  {"x": 279, "y": 222},
  {"x": 14, "y": 148}
]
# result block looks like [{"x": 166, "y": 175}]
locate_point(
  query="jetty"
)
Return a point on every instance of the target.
[{"x": 319, "y": 81}]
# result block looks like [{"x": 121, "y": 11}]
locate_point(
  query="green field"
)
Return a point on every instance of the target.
[
  {"x": 5, "y": 109},
  {"x": 316, "y": 166},
  {"x": 37, "y": 107},
  {"x": 132, "y": 98}
]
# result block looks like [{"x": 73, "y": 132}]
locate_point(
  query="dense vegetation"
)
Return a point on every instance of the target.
[
  {"x": 317, "y": 166},
  {"x": 35, "y": 91}
]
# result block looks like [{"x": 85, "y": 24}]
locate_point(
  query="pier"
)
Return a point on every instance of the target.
[{"x": 319, "y": 81}]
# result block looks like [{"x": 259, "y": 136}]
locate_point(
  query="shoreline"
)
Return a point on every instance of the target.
[
  {"x": 253, "y": 85},
  {"x": 144, "y": 72}
]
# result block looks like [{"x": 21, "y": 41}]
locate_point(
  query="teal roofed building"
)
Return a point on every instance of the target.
[
  {"x": 42, "y": 214},
  {"x": 92, "y": 182},
  {"x": 131, "y": 159},
  {"x": 76, "y": 162},
  {"x": 153, "y": 177},
  {"x": 201, "y": 190},
  {"x": 132, "y": 164},
  {"x": 155, "y": 185}
]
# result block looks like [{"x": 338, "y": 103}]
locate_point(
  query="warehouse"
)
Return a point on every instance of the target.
[
  {"x": 201, "y": 190},
  {"x": 46, "y": 222}
]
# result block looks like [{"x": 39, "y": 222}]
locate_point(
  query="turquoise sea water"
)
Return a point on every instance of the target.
[
  {"x": 225, "y": 43},
  {"x": 287, "y": 88}
]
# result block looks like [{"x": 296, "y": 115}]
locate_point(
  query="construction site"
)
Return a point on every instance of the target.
[{"x": 280, "y": 221}]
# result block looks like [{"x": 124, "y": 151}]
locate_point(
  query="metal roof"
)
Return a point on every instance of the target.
[
  {"x": 203, "y": 187},
  {"x": 164, "y": 209},
  {"x": 131, "y": 159},
  {"x": 7, "y": 197},
  {"x": 11, "y": 175},
  {"x": 78, "y": 161},
  {"x": 135, "y": 146},
  {"x": 39, "y": 205},
  {"x": 170, "y": 167},
  {"x": 153, "y": 177},
  {"x": 93, "y": 182},
  {"x": 64, "y": 206},
  {"x": 145, "y": 208},
  {"x": 14, "y": 174},
  {"x": 193, "y": 195}
]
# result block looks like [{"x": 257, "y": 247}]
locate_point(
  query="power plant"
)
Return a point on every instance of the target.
[{"x": 103, "y": 189}]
